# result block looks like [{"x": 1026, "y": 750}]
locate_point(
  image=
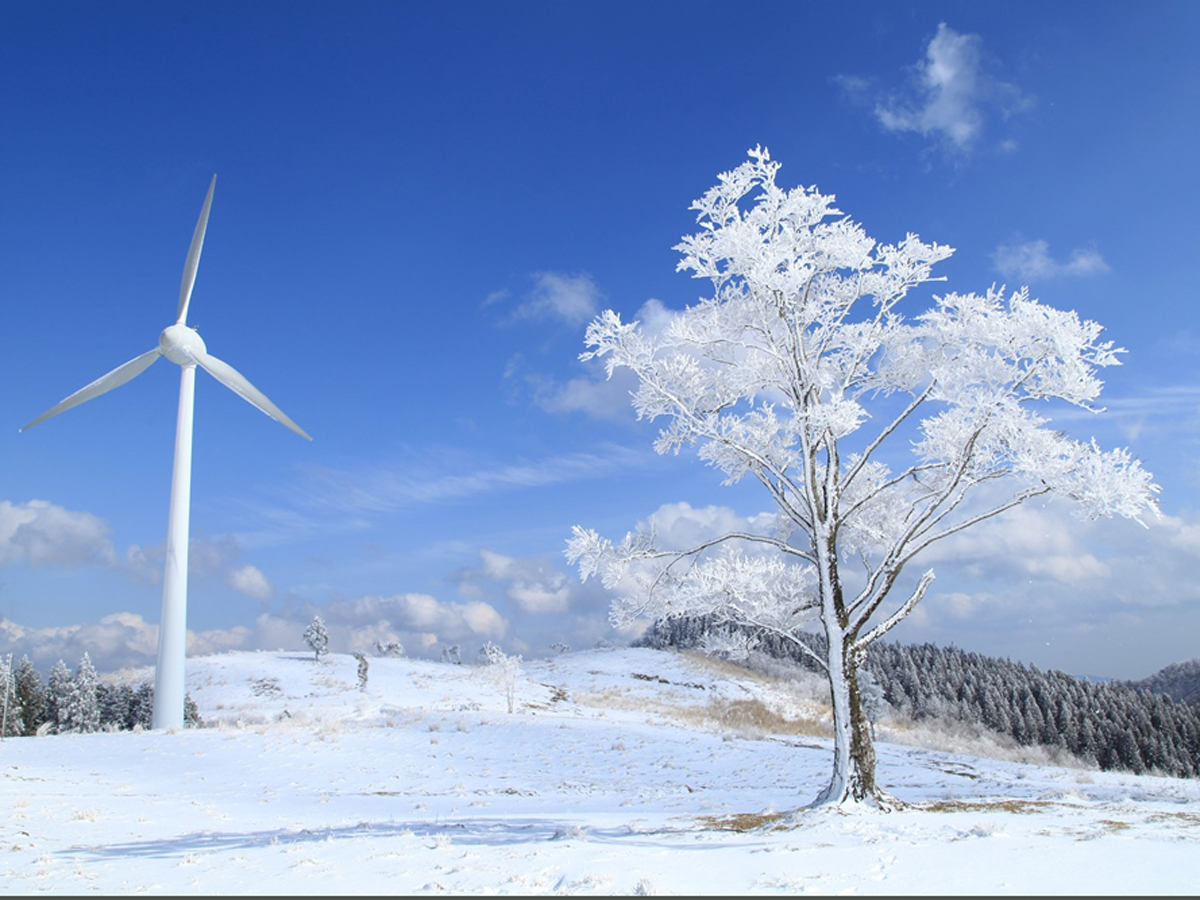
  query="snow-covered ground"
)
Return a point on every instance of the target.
[{"x": 627, "y": 771}]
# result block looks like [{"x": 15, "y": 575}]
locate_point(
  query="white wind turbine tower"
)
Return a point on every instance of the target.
[{"x": 181, "y": 345}]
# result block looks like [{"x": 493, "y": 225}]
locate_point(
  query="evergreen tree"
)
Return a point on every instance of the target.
[
  {"x": 141, "y": 707},
  {"x": 58, "y": 686},
  {"x": 80, "y": 711},
  {"x": 114, "y": 701},
  {"x": 191, "y": 712},
  {"x": 30, "y": 695}
]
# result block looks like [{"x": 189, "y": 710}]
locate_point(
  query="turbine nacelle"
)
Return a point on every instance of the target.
[{"x": 182, "y": 345}]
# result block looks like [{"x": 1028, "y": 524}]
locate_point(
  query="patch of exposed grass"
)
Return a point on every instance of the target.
[
  {"x": 744, "y": 717},
  {"x": 1021, "y": 807},
  {"x": 743, "y": 822},
  {"x": 753, "y": 718},
  {"x": 1175, "y": 818}
]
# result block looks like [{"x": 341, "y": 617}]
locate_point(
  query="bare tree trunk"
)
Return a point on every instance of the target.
[{"x": 853, "y": 778}]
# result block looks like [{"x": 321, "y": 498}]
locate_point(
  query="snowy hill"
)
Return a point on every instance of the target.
[
  {"x": 617, "y": 772},
  {"x": 1179, "y": 681}
]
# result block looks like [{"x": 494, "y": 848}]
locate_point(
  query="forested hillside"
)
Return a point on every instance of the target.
[
  {"x": 1119, "y": 725},
  {"x": 1179, "y": 681}
]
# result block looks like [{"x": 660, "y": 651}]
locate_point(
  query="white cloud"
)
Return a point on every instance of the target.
[
  {"x": 595, "y": 393},
  {"x": 117, "y": 641},
  {"x": 950, "y": 93},
  {"x": 250, "y": 580},
  {"x": 1028, "y": 541},
  {"x": 1031, "y": 261},
  {"x": 573, "y": 299},
  {"x": 40, "y": 533},
  {"x": 680, "y": 526},
  {"x": 412, "y": 613},
  {"x": 592, "y": 394},
  {"x": 534, "y": 585}
]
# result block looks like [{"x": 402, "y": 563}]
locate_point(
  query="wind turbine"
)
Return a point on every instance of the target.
[{"x": 183, "y": 346}]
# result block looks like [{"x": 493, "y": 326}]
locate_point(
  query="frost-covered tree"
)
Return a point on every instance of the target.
[
  {"x": 58, "y": 686},
  {"x": 141, "y": 707},
  {"x": 116, "y": 703},
  {"x": 363, "y": 670},
  {"x": 876, "y": 432},
  {"x": 79, "y": 710},
  {"x": 191, "y": 712},
  {"x": 316, "y": 635},
  {"x": 389, "y": 648},
  {"x": 12, "y": 716},
  {"x": 502, "y": 669}
]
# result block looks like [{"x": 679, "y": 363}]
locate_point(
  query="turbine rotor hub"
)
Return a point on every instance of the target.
[{"x": 181, "y": 345}]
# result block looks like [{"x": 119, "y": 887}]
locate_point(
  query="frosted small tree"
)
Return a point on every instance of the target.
[
  {"x": 502, "y": 670},
  {"x": 363, "y": 670},
  {"x": 316, "y": 635},
  {"x": 875, "y": 435},
  {"x": 389, "y": 648}
]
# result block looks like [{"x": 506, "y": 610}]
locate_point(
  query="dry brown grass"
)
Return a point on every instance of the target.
[
  {"x": 742, "y": 822},
  {"x": 975, "y": 806},
  {"x": 752, "y": 718},
  {"x": 745, "y": 717}
]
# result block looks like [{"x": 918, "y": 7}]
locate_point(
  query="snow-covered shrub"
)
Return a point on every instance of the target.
[
  {"x": 362, "y": 671},
  {"x": 389, "y": 648},
  {"x": 316, "y": 635}
]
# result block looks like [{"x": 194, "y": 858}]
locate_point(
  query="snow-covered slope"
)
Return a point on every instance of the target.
[{"x": 619, "y": 771}]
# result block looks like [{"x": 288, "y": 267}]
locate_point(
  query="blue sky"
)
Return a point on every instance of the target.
[{"x": 420, "y": 206}]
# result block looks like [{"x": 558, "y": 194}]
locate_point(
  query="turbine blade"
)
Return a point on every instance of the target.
[
  {"x": 193, "y": 257},
  {"x": 236, "y": 382},
  {"x": 115, "y": 378}
]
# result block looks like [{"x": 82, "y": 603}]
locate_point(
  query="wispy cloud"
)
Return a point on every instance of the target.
[
  {"x": 554, "y": 296},
  {"x": 385, "y": 487},
  {"x": 1031, "y": 261},
  {"x": 594, "y": 393},
  {"x": 950, "y": 96},
  {"x": 209, "y": 559}
]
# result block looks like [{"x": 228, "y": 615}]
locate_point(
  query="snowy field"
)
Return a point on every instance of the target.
[{"x": 625, "y": 771}]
